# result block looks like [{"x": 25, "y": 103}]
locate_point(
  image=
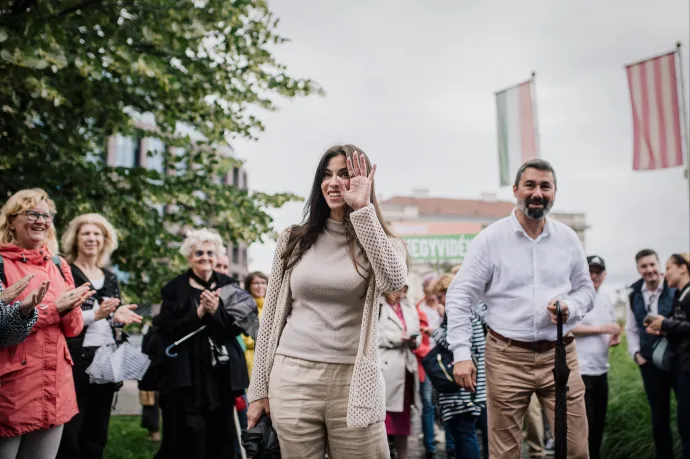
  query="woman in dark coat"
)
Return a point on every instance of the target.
[
  {"x": 677, "y": 330},
  {"x": 200, "y": 384}
]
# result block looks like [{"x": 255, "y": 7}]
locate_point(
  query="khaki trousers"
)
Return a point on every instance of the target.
[
  {"x": 535, "y": 428},
  {"x": 513, "y": 375},
  {"x": 309, "y": 412}
]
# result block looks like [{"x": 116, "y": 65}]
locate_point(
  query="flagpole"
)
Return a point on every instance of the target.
[
  {"x": 537, "y": 139},
  {"x": 685, "y": 123}
]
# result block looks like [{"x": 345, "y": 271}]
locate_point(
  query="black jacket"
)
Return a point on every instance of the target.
[
  {"x": 639, "y": 310},
  {"x": 110, "y": 289},
  {"x": 178, "y": 318},
  {"x": 677, "y": 328}
]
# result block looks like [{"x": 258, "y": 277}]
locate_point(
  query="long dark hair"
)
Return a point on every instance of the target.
[{"x": 316, "y": 213}]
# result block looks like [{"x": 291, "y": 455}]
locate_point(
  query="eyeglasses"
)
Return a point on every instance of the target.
[
  {"x": 200, "y": 253},
  {"x": 33, "y": 216},
  {"x": 263, "y": 282}
]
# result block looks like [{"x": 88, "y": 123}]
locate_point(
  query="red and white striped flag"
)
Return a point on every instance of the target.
[{"x": 657, "y": 136}]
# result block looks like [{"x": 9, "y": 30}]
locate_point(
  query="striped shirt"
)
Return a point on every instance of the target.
[
  {"x": 462, "y": 401},
  {"x": 14, "y": 328}
]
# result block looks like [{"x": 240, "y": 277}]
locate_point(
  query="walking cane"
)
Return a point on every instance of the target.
[
  {"x": 168, "y": 350},
  {"x": 561, "y": 372}
]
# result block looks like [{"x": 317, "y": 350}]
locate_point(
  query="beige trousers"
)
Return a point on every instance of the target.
[
  {"x": 535, "y": 427},
  {"x": 513, "y": 375},
  {"x": 309, "y": 412}
]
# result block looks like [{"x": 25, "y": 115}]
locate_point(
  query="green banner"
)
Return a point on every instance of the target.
[{"x": 438, "y": 247}]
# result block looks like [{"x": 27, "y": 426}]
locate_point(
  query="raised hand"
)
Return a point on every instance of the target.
[
  {"x": 357, "y": 194},
  {"x": 14, "y": 290},
  {"x": 33, "y": 298}
]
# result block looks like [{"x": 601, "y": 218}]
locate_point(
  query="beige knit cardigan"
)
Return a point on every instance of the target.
[{"x": 387, "y": 256}]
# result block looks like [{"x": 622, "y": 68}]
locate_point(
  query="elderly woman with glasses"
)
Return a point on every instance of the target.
[
  {"x": 36, "y": 387},
  {"x": 201, "y": 382}
]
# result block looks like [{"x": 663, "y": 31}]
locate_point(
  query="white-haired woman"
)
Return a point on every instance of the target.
[
  {"x": 200, "y": 384},
  {"x": 88, "y": 243}
]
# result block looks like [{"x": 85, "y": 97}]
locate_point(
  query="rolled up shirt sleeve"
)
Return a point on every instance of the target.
[
  {"x": 632, "y": 333},
  {"x": 463, "y": 294},
  {"x": 580, "y": 300}
]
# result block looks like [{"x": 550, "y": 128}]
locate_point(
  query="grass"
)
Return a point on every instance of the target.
[
  {"x": 628, "y": 424},
  {"x": 128, "y": 440}
]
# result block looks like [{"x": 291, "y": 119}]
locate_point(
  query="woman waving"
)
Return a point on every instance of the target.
[{"x": 316, "y": 367}]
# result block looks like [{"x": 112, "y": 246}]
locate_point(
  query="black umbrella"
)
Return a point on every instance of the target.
[
  {"x": 561, "y": 372},
  {"x": 261, "y": 441}
]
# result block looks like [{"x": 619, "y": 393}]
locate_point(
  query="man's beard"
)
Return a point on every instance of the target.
[{"x": 535, "y": 213}]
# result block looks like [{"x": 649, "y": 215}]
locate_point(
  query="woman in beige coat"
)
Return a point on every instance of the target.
[
  {"x": 316, "y": 358},
  {"x": 399, "y": 340}
]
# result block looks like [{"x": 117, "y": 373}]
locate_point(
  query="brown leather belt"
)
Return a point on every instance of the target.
[{"x": 536, "y": 346}]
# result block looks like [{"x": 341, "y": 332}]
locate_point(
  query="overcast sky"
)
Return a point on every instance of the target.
[{"x": 414, "y": 87}]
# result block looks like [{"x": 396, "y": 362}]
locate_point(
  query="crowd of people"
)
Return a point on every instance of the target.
[{"x": 343, "y": 359}]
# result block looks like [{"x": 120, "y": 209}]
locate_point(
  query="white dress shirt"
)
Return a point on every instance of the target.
[
  {"x": 516, "y": 277},
  {"x": 651, "y": 303},
  {"x": 593, "y": 350}
]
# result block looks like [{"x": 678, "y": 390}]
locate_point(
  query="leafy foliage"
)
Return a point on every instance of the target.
[{"x": 73, "y": 73}]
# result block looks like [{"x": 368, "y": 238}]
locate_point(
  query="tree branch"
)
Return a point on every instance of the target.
[{"x": 76, "y": 7}]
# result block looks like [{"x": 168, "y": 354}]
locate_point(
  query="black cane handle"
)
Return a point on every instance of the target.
[{"x": 559, "y": 321}]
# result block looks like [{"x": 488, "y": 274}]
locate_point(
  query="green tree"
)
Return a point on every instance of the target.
[{"x": 73, "y": 73}]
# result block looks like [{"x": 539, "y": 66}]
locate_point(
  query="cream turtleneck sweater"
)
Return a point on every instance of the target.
[{"x": 328, "y": 298}]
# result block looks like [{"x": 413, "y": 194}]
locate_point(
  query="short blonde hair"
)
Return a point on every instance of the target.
[
  {"x": 70, "y": 247},
  {"x": 19, "y": 202},
  {"x": 198, "y": 237},
  {"x": 442, "y": 283}
]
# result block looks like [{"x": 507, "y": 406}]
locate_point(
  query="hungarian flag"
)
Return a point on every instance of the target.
[
  {"x": 657, "y": 141},
  {"x": 517, "y": 129}
]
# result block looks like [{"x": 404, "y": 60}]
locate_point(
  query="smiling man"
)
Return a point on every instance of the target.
[
  {"x": 520, "y": 266},
  {"x": 651, "y": 296}
]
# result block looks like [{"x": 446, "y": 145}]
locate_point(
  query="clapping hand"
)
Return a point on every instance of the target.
[
  {"x": 73, "y": 298},
  {"x": 106, "y": 308},
  {"x": 357, "y": 194},
  {"x": 33, "y": 298},
  {"x": 210, "y": 301},
  {"x": 14, "y": 290},
  {"x": 125, "y": 315}
]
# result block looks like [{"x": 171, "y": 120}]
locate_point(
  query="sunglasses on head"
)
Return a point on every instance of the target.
[{"x": 200, "y": 253}]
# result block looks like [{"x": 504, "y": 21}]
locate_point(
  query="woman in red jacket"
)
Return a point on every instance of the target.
[{"x": 36, "y": 388}]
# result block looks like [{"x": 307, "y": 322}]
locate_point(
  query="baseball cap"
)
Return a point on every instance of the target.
[{"x": 596, "y": 260}]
